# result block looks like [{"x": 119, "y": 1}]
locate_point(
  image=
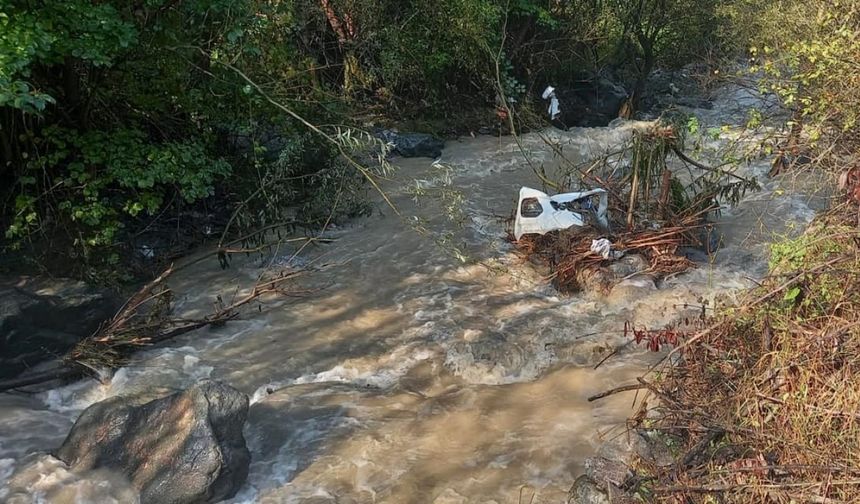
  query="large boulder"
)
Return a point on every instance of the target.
[
  {"x": 41, "y": 319},
  {"x": 184, "y": 448}
]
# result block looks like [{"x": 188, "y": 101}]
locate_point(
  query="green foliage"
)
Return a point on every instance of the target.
[
  {"x": 308, "y": 184},
  {"x": 99, "y": 177},
  {"x": 807, "y": 54},
  {"x": 115, "y": 112},
  {"x": 814, "y": 294},
  {"x": 436, "y": 46},
  {"x": 47, "y": 35}
]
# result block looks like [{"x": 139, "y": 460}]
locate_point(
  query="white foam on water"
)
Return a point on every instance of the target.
[
  {"x": 45, "y": 479},
  {"x": 78, "y": 396},
  {"x": 7, "y": 467},
  {"x": 382, "y": 374},
  {"x": 191, "y": 366}
]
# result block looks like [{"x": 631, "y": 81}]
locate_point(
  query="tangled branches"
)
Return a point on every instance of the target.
[
  {"x": 778, "y": 378},
  {"x": 146, "y": 319},
  {"x": 573, "y": 264}
]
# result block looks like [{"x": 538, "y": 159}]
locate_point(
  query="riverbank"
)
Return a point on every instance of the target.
[
  {"x": 762, "y": 404},
  {"x": 758, "y": 400}
]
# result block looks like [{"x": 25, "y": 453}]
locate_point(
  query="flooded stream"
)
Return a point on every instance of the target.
[{"x": 405, "y": 375}]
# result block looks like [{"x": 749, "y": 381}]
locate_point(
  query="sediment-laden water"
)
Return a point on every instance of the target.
[{"x": 404, "y": 375}]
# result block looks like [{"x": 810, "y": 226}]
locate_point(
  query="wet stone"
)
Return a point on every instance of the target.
[
  {"x": 586, "y": 491},
  {"x": 629, "y": 265},
  {"x": 618, "y": 496},
  {"x": 605, "y": 472},
  {"x": 653, "y": 446},
  {"x": 631, "y": 290},
  {"x": 43, "y": 318},
  {"x": 413, "y": 144},
  {"x": 184, "y": 448}
]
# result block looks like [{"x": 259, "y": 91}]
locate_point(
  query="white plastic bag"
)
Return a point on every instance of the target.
[
  {"x": 540, "y": 213},
  {"x": 603, "y": 247},
  {"x": 554, "y": 109}
]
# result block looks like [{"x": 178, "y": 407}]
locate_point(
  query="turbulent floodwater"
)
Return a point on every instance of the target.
[{"x": 405, "y": 375}]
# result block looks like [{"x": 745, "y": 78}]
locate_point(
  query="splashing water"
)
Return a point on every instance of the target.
[{"x": 409, "y": 376}]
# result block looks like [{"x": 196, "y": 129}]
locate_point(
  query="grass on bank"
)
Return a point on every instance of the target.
[{"x": 766, "y": 401}]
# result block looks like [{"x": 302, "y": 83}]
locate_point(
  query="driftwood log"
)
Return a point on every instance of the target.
[{"x": 145, "y": 319}]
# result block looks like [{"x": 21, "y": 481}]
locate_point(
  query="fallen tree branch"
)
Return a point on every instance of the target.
[
  {"x": 617, "y": 390},
  {"x": 144, "y": 320},
  {"x": 687, "y": 159},
  {"x": 60, "y": 373}
]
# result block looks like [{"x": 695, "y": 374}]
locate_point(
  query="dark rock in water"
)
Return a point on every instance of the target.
[
  {"x": 43, "y": 319},
  {"x": 586, "y": 491},
  {"x": 665, "y": 89},
  {"x": 710, "y": 239},
  {"x": 413, "y": 144},
  {"x": 186, "y": 447},
  {"x": 592, "y": 103},
  {"x": 629, "y": 265}
]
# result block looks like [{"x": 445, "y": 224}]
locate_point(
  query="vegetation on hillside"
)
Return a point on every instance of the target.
[
  {"x": 126, "y": 123},
  {"x": 128, "y": 126},
  {"x": 761, "y": 404}
]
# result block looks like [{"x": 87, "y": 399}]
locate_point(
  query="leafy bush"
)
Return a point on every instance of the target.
[
  {"x": 111, "y": 110},
  {"x": 806, "y": 54},
  {"x": 308, "y": 184},
  {"x": 94, "y": 178}
]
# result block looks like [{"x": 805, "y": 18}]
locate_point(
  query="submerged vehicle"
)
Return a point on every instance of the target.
[{"x": 539, "y": 213}]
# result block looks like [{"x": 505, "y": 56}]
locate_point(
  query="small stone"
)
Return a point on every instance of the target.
[
  {"x": 586, "y": 491},
  {"x": 629, "y": 265},
  {"x": 619, "y": 496},
  {"x": 606, "y": 472},
  {"x": 631, "y": 290}
]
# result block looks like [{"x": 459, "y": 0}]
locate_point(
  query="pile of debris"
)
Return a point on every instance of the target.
[
  {"x": 572, "y": 233},
  {"x": 580, "y": 257}
]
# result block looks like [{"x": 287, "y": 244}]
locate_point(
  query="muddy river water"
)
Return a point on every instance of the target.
[{"x": 406, "y": 375}]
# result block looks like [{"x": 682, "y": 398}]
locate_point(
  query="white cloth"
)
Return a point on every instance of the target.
[
  {"x": 603, "y": 247},
  {"x": 551, "y": 219},
  {"x": 554, "y": 109}
]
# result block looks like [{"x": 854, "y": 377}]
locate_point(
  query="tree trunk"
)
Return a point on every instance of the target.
[
  {"x": 344, "y": 27},
  {"x": 353, "y": 76},
  {"x": 61, "y": 372},
  {"x": 72, "y": 90},
  {"x": 648, "y": 61},
  {"x": 6, "y": 140}
]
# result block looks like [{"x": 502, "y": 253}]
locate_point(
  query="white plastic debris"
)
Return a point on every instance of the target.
[
  {"x": 554, "y": 109},
  {"x": 603, "y": 247},
  {"x": 548, "y": 92},
  {"x": 539, "y": 213}
]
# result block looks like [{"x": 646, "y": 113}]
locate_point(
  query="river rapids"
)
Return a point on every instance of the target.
[{"x": 404, "y": 374}]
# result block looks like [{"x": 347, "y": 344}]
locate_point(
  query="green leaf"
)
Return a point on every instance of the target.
[{"x": 792, "y": 294}]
